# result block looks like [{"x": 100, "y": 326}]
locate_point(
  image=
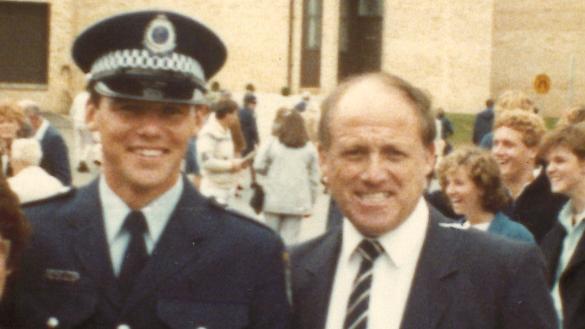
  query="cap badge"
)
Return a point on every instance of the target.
[{"x": 159, "y": 36}]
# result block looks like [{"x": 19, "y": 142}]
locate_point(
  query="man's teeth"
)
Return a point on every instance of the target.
[
  {"x": 374, "y": 197},
  {"x": 150, "y": 153}
]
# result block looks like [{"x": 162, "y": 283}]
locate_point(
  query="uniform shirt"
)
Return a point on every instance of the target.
[
  {"x": 574, "y": 233},
  {"x": 393, "y": 271},
  {"x": 115, "y": 210}
]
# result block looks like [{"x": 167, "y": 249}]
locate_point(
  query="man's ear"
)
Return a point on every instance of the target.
[
  {"x": 533, "y": 153},
  {"x": 90, "y": 115},
  {"x": 430, "y": 159}
]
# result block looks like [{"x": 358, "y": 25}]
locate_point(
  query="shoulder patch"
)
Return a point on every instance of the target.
[{"x": 65, "y": 194}]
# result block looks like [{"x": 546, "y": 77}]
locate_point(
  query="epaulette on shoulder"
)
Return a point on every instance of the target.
[
  {"x": 62, "y": 195},
  {"x": 238, "y": 214}
]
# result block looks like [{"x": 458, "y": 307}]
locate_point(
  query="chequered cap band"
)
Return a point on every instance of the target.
[{"x": 143, "y": 59}]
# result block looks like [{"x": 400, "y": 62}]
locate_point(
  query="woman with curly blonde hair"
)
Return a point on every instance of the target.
[{"x": 471, "y": 180}]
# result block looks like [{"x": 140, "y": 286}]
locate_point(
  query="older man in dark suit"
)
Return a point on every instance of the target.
[
  {"x": 55, "y": 160},
  {"x": 395, "y": 262},
  {"x": 140, "y": 247}
]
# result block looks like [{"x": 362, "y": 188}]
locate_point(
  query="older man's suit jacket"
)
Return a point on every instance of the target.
[
  {"x": 572, "y": 284},
  {"x": 55, "y": 158},
  {"x": 210, "y": 269},
  {"x": 464, "y": 279}
]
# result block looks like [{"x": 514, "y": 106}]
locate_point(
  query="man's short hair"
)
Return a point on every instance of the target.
[
  {"x": 571, "y": 137},
  {"x": 26, "y": 150},
  {"x": 419, "y": 100},
  {"x": 30, "y": 107},
  {"x": 572, "y": 115},
  {"x": 483, "y": 171},
  {"x": 513, "y": 100},
  {"x": 224, "y": 107},
  {"x": 528, "y": 124}
]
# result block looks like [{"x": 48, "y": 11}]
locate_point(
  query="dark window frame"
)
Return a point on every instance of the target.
[
  {"x": 311, "y": 53},
  {"x": 27, "y": 65}
]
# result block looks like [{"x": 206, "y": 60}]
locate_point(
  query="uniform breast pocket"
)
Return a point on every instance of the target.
[
  {"x": 70, "y": 307},
  {"x": 181, "y": 314}
]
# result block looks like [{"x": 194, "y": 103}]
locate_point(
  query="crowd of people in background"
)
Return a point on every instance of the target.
[{"x": 520, "y": 181}]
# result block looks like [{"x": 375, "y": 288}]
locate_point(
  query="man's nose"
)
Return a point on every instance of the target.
[
  {"x": 150, "y": 123},
  {"x": 550, "y": 168},
  {"x": 376, "y": 170}
]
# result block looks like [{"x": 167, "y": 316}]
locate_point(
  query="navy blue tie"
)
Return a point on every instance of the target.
[{"x": 136, "y": 254}]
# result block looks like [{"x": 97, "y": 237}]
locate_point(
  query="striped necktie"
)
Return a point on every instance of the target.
[{"x": 356, "y": 316}]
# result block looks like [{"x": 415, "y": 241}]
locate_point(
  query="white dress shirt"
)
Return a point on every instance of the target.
[
  {"x": 115, "y": 210},
  {"x": 482, "y": 227},
  {"x": 570, "y": 243},
  {"x": 393, "y": 271},
  {"x": 42, "y": 130}
]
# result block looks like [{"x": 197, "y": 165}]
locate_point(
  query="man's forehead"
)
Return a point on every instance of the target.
[{"x": 372, "y": 99}]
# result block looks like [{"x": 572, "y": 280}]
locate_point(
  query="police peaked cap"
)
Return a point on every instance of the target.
[{"x": 153, "y": 55}]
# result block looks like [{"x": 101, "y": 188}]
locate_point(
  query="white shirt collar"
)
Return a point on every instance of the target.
[
  {"x": 565, "y": 217},
  {"x": 402, "y": 245},
  {"x": 157, "y": 213},
  {"x": 42, "y": 130}
]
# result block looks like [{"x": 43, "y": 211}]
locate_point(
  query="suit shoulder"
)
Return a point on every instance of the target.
[
  {"x": 495, "y": 248},
  {"x": 304, "y": 249}
]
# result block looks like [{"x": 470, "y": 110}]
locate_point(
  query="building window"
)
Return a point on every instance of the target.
[
  {"x": 313, "y": 32},
  {"x": 311, "y": 52},
  {"x": 370, "y": 8},
  {"x": 24, "y": 36}
]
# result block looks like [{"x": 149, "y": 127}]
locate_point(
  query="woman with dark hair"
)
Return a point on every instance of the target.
[
  {"x": 290, "y": 164},
  {"x": 216, "y": 153},
  {"x": 470, "y": 178},
  {"x": 14, "y": 232}
]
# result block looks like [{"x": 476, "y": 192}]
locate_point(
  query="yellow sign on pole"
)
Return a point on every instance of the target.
[{"x": 542, "y": 83}]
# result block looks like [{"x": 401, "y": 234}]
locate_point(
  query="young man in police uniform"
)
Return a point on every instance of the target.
[{"x": 139, "y": 247}]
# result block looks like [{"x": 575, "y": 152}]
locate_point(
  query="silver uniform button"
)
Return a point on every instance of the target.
[
  {"x": 123, "y": 326},
  {"x": 52, "y": 322}
]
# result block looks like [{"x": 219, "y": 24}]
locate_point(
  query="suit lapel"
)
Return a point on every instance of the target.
[
  {"x": 180, "y": 244},
  {"x": 317, "y": 276},
  {"x": 552, "y": 246},
  {"x": 431, "y": 289},
  {"x": 90, "y": 244}
]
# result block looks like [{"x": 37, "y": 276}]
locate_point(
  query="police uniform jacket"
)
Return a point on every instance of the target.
[{"x": 210, "y": 269}]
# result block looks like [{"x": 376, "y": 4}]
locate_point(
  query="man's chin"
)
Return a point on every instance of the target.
[{"x": 373, "y": 226}]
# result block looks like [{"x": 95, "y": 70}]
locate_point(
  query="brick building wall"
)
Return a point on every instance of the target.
[{"x": 460, "y": 52}]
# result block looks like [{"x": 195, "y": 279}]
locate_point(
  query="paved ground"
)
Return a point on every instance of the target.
[{"x": 267, "y": 106}]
